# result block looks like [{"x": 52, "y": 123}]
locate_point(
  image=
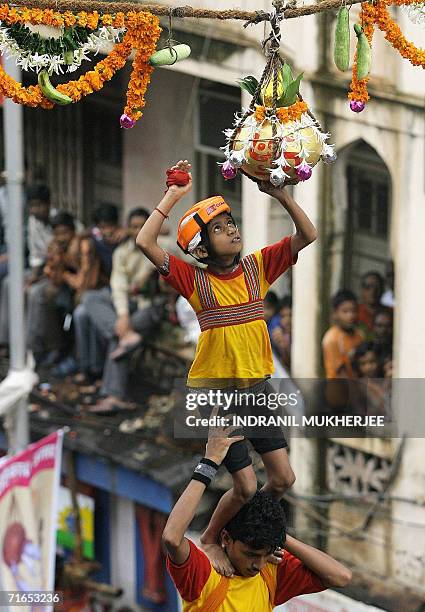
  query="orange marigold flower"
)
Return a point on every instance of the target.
[
  {"x": 142, "y": 34},
  {"x": 260, "y": 113}
]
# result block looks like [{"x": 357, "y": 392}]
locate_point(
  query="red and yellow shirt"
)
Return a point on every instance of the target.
[
  {"x": 196, "y": 579},
  {"x": 228, "y": 350}
]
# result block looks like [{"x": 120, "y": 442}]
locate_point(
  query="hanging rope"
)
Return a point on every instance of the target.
[{"x": 251, "y": 17}]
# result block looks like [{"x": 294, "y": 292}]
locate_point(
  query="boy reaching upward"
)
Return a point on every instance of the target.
[{"x": 234, "y": 345}]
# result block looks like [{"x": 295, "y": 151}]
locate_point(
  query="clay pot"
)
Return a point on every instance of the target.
[{"x": 259, "y": 157}]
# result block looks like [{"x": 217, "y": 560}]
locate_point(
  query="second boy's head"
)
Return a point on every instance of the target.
[
  {"x": 344, "y": 307},
  {"x": 255, "y": 532},
  {"x": 209, "y": 233}
]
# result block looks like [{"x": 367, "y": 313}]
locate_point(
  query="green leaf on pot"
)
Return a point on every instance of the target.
[
  {"x": 289, "y": 96},
  {"x": 287, "y": 77},
  {"x": 249, "y": 84}
]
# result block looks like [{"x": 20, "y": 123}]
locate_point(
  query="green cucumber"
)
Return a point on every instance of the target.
[
  {"x": 364, "y": 54},
  {"x": 342, "y": 40},
  {"x": 170, "y": 55}
]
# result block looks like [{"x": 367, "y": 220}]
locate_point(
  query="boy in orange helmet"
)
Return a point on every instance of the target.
[{"x": 234, "y": 344}]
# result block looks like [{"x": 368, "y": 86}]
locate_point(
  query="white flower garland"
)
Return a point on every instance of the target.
[
  {"x": 56, "y": 63},
  {"x": 416, "y": 13}
]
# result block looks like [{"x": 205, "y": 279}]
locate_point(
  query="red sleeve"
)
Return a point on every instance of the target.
[
  {"x": 277, "y": 258},
  {"x": 190, "y": 577},
  {"x": 181, "y": 276},
  {"x": 294, "y": 578}
]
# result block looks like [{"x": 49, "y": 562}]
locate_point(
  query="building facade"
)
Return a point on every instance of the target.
[{"x": 368, "y": 207}]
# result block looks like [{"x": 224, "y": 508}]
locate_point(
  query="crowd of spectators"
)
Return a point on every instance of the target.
[
  {"x": 358, "y": 344},
  {"x": 92, "y": 298},
  {"x": 357, "y": 347}
]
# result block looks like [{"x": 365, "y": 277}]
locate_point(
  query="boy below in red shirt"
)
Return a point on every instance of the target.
[
  {"x": 233, "y": 350},
  {"x": 265, "y": 575}
]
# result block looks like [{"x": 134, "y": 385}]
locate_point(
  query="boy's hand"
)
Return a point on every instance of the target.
[
  {"x": 271, "y": 190},
  {"x": 276, "y": 556},
  {"x": 177, "y": 190},
  {"x": 218, "y": 439}
]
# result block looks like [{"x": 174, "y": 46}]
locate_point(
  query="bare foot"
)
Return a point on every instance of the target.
[
  {"x": 126, "y": 345},
  {"x": 219, "y": 560},
  {"x": 130, "y": 337},
  {"x": 110, "y": 405}
]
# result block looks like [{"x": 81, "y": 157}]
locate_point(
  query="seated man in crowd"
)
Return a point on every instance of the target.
[
  {"x": 94, "y": 270},
  {"x": 253, "y": 538},
  {"x": 123, "y": 314},
  {"x": 51, "y": 299}
]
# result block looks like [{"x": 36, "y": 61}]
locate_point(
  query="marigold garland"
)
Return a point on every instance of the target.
[
  {"x": 376, "y": 13},
  {"x": 142, "y": 33},
  {"x": 284, "y": 113}
]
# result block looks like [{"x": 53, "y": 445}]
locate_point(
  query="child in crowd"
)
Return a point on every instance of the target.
[
  {"x": 372, "y": 389},
  {"x": 342, "y": 337},
  {"x": 365, "y": 361},
  {"x": 234, "y": 344}
]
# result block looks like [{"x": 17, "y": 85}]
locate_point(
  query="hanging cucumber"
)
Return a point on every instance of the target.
[
  {"x": 170, "y": 55},
  {"x": 342, "y": 40},
  {"x": 49, "y": 91},
  {"x": 364, "y": 54}
]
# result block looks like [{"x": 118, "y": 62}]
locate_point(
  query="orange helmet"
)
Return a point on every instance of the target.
[{"x": 196, "y": 218}]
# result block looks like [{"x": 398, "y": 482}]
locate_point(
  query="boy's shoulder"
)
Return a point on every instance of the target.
[{"x": 332, "y": 334}]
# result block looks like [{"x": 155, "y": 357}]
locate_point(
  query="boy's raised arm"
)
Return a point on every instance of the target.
[
  {"x": 305, "y": 233},
  {"x": 331, "y": 572},
  {"x": 147, "y": 239},
  {"x": 183, "y": 512}
]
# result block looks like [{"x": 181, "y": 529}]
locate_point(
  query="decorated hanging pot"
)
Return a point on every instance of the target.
[
  {"x": 295, "y": 143},
  {"x": 277, "y": 138}
]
